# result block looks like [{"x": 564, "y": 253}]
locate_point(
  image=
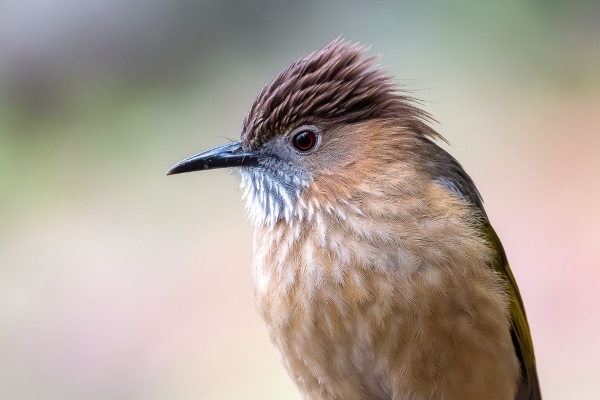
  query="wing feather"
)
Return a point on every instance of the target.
[{"x": 529, "y": 387}]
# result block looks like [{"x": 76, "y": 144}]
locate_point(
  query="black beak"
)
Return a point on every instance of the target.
[{"x": 229, "y": 155}]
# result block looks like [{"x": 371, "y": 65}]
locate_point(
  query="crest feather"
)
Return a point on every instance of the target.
[{"x": 337, "y": 84}]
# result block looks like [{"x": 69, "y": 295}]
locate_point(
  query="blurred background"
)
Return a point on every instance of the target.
[{"x": 117, "y": 282}]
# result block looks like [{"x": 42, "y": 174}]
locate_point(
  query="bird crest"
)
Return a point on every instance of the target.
[{"x": 336, "y": 85}]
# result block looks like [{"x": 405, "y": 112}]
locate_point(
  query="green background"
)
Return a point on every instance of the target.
[{"x": 117, "y": 282}]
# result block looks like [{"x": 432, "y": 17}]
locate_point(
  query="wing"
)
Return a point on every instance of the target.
[
  {"x": 448, "y": 172},
  {"x": 529, "y": 387}
]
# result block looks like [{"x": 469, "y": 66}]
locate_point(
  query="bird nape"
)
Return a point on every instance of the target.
[{"x": 375, "y": 265}]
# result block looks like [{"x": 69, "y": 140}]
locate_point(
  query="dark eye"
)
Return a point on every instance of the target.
[{"x": 305, "y": 140}]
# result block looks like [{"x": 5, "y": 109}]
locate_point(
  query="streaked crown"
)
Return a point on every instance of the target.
[{"x": 337, "y": 85}]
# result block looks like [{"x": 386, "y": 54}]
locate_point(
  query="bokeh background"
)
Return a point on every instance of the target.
[{"x": 117, "y": 282}]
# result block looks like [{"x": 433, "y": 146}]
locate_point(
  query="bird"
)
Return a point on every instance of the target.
[{"x": 375, "y": 266}]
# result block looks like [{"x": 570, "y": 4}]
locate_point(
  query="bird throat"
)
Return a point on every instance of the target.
[{"x": 272, "y": 194}]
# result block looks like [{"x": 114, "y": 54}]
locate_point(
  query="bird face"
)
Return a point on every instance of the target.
[
  {"x": 275, "y": 174},
  {"x": 285, "y": 169}
]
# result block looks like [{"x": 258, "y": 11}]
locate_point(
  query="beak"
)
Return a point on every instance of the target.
[{"x": 227, "y": 156}]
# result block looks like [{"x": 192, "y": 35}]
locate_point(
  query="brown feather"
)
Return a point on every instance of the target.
[{"x": 336, "y": 85}]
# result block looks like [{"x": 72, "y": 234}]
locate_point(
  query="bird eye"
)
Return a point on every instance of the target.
[{"x": 305, "y": 140}]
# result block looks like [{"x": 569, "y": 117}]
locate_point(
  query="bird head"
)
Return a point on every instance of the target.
[{"x": 317, "y": 133}]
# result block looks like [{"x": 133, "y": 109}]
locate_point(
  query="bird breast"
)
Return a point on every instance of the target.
[{"x": 397, "y": 302}]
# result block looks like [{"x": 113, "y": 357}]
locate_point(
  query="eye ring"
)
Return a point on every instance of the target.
[{"x": 304, "y": 140}]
